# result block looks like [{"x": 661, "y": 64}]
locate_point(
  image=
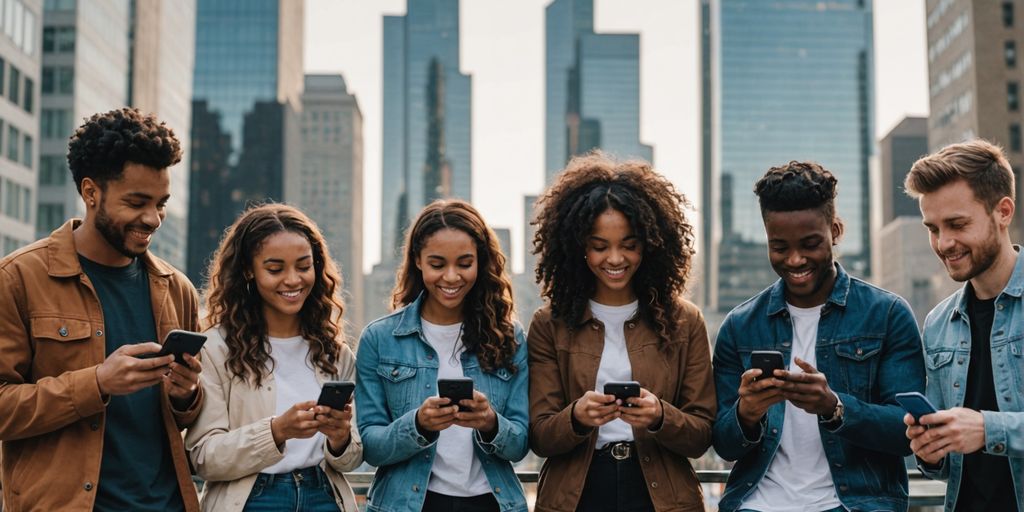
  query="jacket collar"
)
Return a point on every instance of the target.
[
  {"x": 63, "y": 256},
  {"x": 840, "y": 292},
  {"x": 1014, "y": 287},
  {"x": 409, "y": 318}
]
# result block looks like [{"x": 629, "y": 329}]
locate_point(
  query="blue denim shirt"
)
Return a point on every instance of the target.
[
  {"x": 947, "y": 347},
  {"x": 397, "y": 371},
  {"x": 869, "y": 349}
]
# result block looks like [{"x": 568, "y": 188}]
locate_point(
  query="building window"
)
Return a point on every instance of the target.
[
  {"x": 14, "y": 86},
  {"x": 58, "y": 39},
  {"x": 1010, "y": 53},
  {"x": 29, "y": 102},
  {"x": 1016, "y": 145},
  {"x": 26, "y": 151},
  {"x": 59, "y": 5},
  {"x": 1013, "y": 96},
  {"x": 13, "y": 136},
  {"x": 58, "y": 80},
  {"x": 53, "y": 170},
  {"x": 1008, "y": 14},
  {"x": 49, "y": 217},
  {"x": 55, "y": 124}
]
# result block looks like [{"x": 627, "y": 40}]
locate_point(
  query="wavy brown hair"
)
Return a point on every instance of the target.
[
  {"x": 589, "y": 186},
  {"x": 488, "y": 328},
  {"x": 234, "y": 304}
]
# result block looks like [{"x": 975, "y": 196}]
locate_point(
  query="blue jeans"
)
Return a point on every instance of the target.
[
  {"x": 306, "y": 489},
  {"x": 837, "y": 509}
]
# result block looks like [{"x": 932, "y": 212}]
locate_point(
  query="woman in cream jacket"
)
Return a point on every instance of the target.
[{"x": 261, "y": 442}]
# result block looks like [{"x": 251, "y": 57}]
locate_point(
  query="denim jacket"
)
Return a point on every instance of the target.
[
  {"x": 947, "y": 347},
  {"x": 869, "y": 349},
  {"x": 396, "y": 372}
]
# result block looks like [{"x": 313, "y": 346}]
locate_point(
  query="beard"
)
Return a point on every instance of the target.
[
  {"x": 981, "y": 258},
  {"x": 114, "y": 234}
]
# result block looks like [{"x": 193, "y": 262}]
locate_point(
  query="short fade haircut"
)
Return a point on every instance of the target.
[
  {"x": 979, "y": 163},
  {"x": 100, "y": 147},
  {"x": 797, "y": 186}
]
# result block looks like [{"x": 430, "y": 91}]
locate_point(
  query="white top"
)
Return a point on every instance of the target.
[
  {"x": 296, "y": 382},
  {"x": 456, "y": 470},
  {"x": 615, "y": 365},
  {"x": 799, "y": 478}
]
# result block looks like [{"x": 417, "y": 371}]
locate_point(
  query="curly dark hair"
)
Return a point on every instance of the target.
[
  {"x": 487, "y": 311},
  {"x": 589, "y": 186},
  {"x": 235, "y": 306},
  {"x": 798, "y": 186},
  {"x": 105, "y": 142}
]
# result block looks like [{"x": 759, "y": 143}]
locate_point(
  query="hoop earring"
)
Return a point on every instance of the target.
[{"x": 248, "y": 286}]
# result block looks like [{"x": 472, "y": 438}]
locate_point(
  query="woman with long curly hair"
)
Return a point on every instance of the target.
[
  {"x": 273, "y": 311},
  {"x": 614, "y": 253},
  {"x": 453, "y": 319}
]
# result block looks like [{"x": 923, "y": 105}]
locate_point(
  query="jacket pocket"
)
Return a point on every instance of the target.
[
  {"x": 935, "y": 359},
  {"x": 399, "y": 386},
  {"x": 858, "y": 362},
  {"x": 498, "y": 384},
  {"x": 62, "y": 344}
]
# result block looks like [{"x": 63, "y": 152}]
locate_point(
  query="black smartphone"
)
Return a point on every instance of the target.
[
  {"x": 767, "y": 361},
  {"x": 336, "y": 394},
  {"x": 179, "y": 343},
  {"x": 456, "y": 389},
  {"x": 623, "y": 390},
  {"x": 916, "y": 404}
]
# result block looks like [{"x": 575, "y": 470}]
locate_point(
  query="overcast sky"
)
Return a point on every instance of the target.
[{"x": 502, "y": 46}]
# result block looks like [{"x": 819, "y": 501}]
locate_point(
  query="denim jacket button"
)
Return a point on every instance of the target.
[
  {"x": 415, "y": 488},
  {"x": 497, "y": 490},
  {"x": 844, "y": 488},
  {"x": 956, "y": 384},
  {"x": 394, "y": 373},
  {"x": 999, "y": 447}
]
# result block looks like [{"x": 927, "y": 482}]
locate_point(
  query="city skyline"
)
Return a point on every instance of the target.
[{"x": 503, "y": 49}]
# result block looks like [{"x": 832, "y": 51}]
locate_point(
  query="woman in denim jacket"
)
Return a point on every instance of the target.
[{"x": 454, "y": 319}]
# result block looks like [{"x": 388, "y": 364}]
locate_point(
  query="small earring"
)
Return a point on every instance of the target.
[{"x": 248, "y": 286}]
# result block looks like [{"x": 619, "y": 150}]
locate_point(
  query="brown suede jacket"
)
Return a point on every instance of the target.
[
  {"x": 563, "y": 366},
  {"x": 51, "y": 341}
]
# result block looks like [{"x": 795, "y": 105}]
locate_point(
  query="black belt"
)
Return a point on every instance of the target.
[{"x": 620, "y": 450}]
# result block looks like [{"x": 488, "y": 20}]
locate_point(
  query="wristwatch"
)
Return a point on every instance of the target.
[{"x": 837, "y": 414}]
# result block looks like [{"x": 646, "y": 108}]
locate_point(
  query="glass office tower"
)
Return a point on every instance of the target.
[
  {"x": 789, "y": 81},
  {"x": 245, "y": 126}
]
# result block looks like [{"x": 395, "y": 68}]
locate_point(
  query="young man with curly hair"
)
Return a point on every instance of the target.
[
  {"x": 824, "y": 433},
  {"x": 85, "y": 423},
  {"x": 973, "y": 339}
]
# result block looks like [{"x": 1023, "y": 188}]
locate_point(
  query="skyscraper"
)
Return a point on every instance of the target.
[
  {"x": 245, "y": 104},
  {"x": 592, "y": 88},
  {"x": 100, "y": 55},
  {"x": 788, "y": 81},
  {"x": 897, "y": 152},
  {"x": 330, "y": 185},
  {"x": 975, "y": 77},
  {"x": 19, "y": 121},
  {"x": 427, "y": 121}
]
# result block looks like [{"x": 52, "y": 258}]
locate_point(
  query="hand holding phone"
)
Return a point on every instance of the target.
[
  {"x": 623, "y": 390},
  {"x": 178, "y": 343},
  {"x": 767, "y": 361},
  {"x": 916, "y": 404},
  {"x": 456, "y": 389},
  {"x": 336, "y": 394}
]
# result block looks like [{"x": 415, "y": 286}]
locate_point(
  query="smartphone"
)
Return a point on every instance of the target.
[
  {"x": 456, "y": 389},
  {"x": 336, "y": 394},
  {"x": 179, "y": 343},
  {"x": 623, "y": 390},
  {"x": 916, "y": 404},
  {"x": 767, "y": 361}
]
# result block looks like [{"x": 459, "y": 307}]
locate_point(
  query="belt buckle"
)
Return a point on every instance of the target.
[{"x": 620, "y": 451}]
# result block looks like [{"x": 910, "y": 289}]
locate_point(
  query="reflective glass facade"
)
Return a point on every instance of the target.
[
  {"x": 427, "y": 115},
  {"x": 242, "y": 111},
  {"x": 592, "y": 88},
  {"x": 793, "y": 82}
]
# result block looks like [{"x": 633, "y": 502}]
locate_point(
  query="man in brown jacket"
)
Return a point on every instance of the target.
[{"x": 85, "y": 423}]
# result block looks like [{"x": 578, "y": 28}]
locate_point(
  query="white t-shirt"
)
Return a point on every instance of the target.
[
  {"x": 296, "y": 382},
  {"x": 456, "y": 470},
  {"x": 614, "y": 365},
  {"x": 799, "y": 478}
]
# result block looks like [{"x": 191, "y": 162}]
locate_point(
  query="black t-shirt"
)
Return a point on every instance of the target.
[
  {"x": 137, "y": 470},
  {"x": 986, "y": 483}
]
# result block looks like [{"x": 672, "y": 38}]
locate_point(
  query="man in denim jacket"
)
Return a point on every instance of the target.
[
  {"x": 824, "y": 434},
  {"x": 973, "y": 340}
]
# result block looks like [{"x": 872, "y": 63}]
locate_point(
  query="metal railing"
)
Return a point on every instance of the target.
[{"x": 923, "y": 492}]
